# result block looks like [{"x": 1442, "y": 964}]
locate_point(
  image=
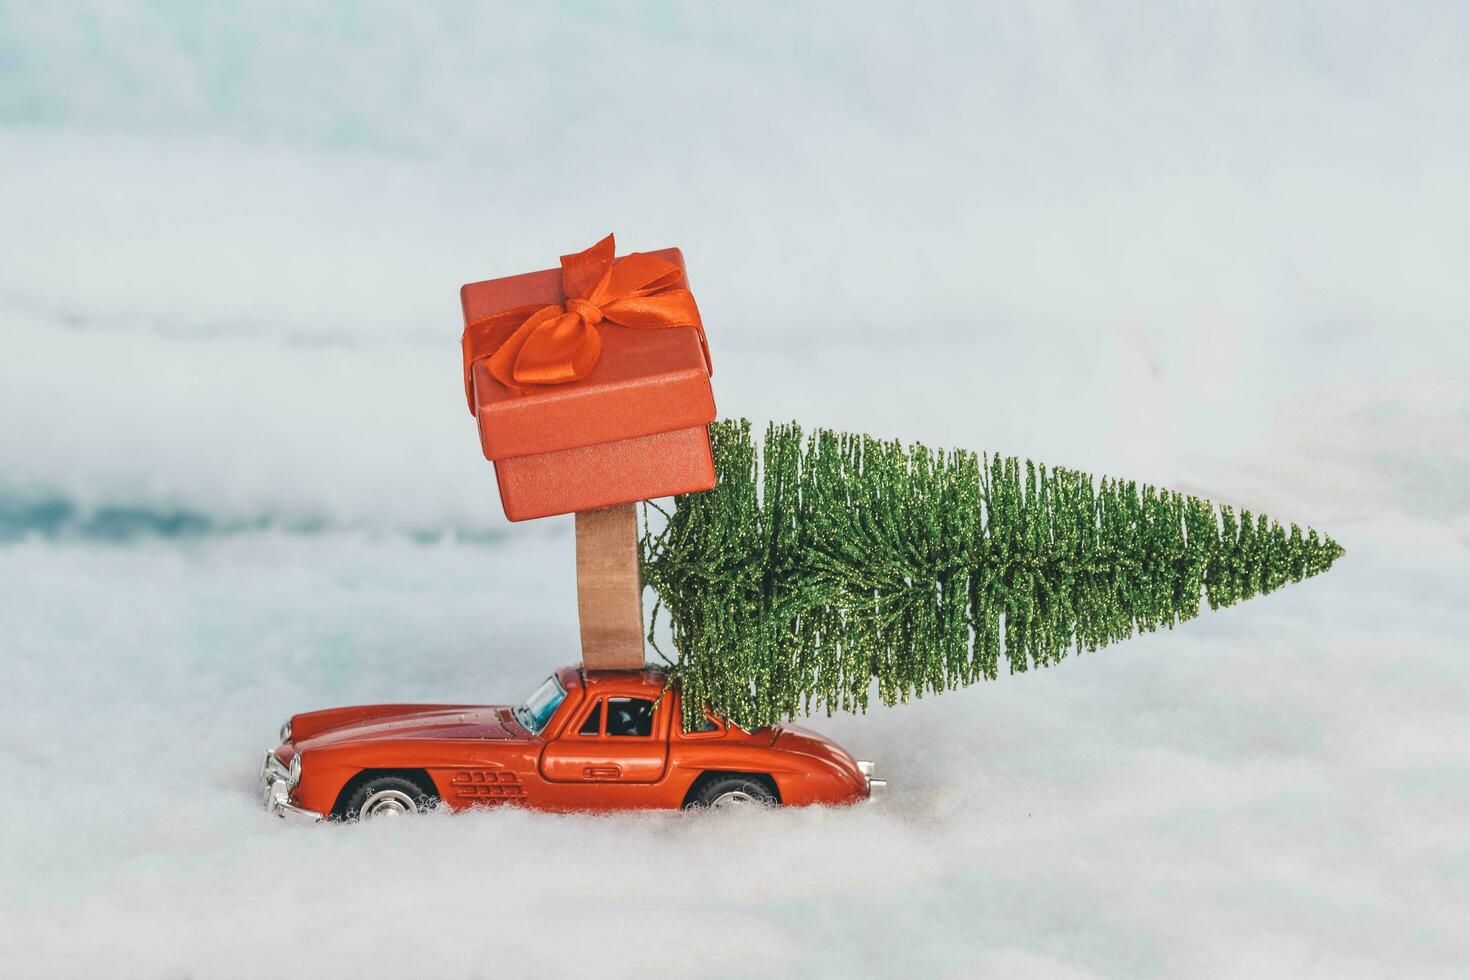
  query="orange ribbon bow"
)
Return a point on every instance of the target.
[{"x": 549, "y": 345}]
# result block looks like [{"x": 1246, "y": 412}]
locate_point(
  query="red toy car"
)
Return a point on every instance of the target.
[{"x": 583, "y": 741}]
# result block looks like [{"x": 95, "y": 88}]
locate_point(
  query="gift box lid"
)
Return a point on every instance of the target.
[{"x": 646, "y": 381}]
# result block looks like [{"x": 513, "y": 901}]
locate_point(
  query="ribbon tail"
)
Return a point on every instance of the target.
[{"x": 670, "y": 308}]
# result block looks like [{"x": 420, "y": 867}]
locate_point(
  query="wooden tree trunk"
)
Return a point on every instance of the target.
[{"x": 609, "y": 589}]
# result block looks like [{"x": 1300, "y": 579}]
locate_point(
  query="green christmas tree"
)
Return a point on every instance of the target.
[{"x": 820, "y": 564}]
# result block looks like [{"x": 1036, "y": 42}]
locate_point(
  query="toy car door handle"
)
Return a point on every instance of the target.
[{"x": 602, "y": 772}]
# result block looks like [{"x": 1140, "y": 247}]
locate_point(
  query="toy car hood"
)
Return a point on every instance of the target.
[{"x": 392, "y": 722}]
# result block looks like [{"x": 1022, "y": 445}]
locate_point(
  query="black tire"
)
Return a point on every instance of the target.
[
  {"x": 389, "y": 794},
  {"x": 722, "y": 791}
]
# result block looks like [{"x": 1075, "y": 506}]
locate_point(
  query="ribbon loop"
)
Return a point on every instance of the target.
[{"x": 546, "y": 345}]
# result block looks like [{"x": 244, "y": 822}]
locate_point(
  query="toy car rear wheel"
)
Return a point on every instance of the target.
[
  {"x": 388, "y": 796},
  {"x": 730, "y": 792}
]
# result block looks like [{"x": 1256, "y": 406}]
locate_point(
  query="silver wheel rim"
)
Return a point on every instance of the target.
[
  {"x": 387, "y": 803},
  {"x": 733, "y": 798}
]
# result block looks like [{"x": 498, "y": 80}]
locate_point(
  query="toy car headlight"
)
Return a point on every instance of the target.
[
  {"x": 286, "y": 731},
  {"x": 295, "y": 770}
]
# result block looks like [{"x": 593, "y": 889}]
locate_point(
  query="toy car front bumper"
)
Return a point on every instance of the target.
[{"x": 275, "y": 792}]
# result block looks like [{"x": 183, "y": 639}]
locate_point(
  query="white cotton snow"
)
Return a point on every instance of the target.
[{"x": 1218, "y": 250}]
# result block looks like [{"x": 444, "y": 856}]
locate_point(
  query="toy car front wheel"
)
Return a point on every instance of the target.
[
  {"x": 388, "y": 796},
  {"x": 728, "y": 792}
]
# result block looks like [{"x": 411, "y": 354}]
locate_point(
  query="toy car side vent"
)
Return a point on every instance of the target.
[{"x": 487, "y": 785}]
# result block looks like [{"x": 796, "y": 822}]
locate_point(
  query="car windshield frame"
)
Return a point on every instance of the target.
[{"x": 536, "y": 712}]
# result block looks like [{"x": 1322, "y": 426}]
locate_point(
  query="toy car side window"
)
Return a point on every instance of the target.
[
  {"x": 593, "y": 724},
  {"x": 631, "y": 717},
  {"x": 704, "y": 723}
]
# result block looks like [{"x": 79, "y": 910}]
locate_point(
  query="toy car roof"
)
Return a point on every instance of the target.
[{"x": 650, "y": 679}]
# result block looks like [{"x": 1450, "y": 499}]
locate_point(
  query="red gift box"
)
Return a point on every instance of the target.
[{"x": 631, "y": 428}]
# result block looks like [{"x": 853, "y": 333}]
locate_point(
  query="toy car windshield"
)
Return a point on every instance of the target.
[{"x": 539, "y": 707}]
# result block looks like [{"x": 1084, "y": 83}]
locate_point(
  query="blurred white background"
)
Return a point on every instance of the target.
[{"x": 1216, "y": 247}]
